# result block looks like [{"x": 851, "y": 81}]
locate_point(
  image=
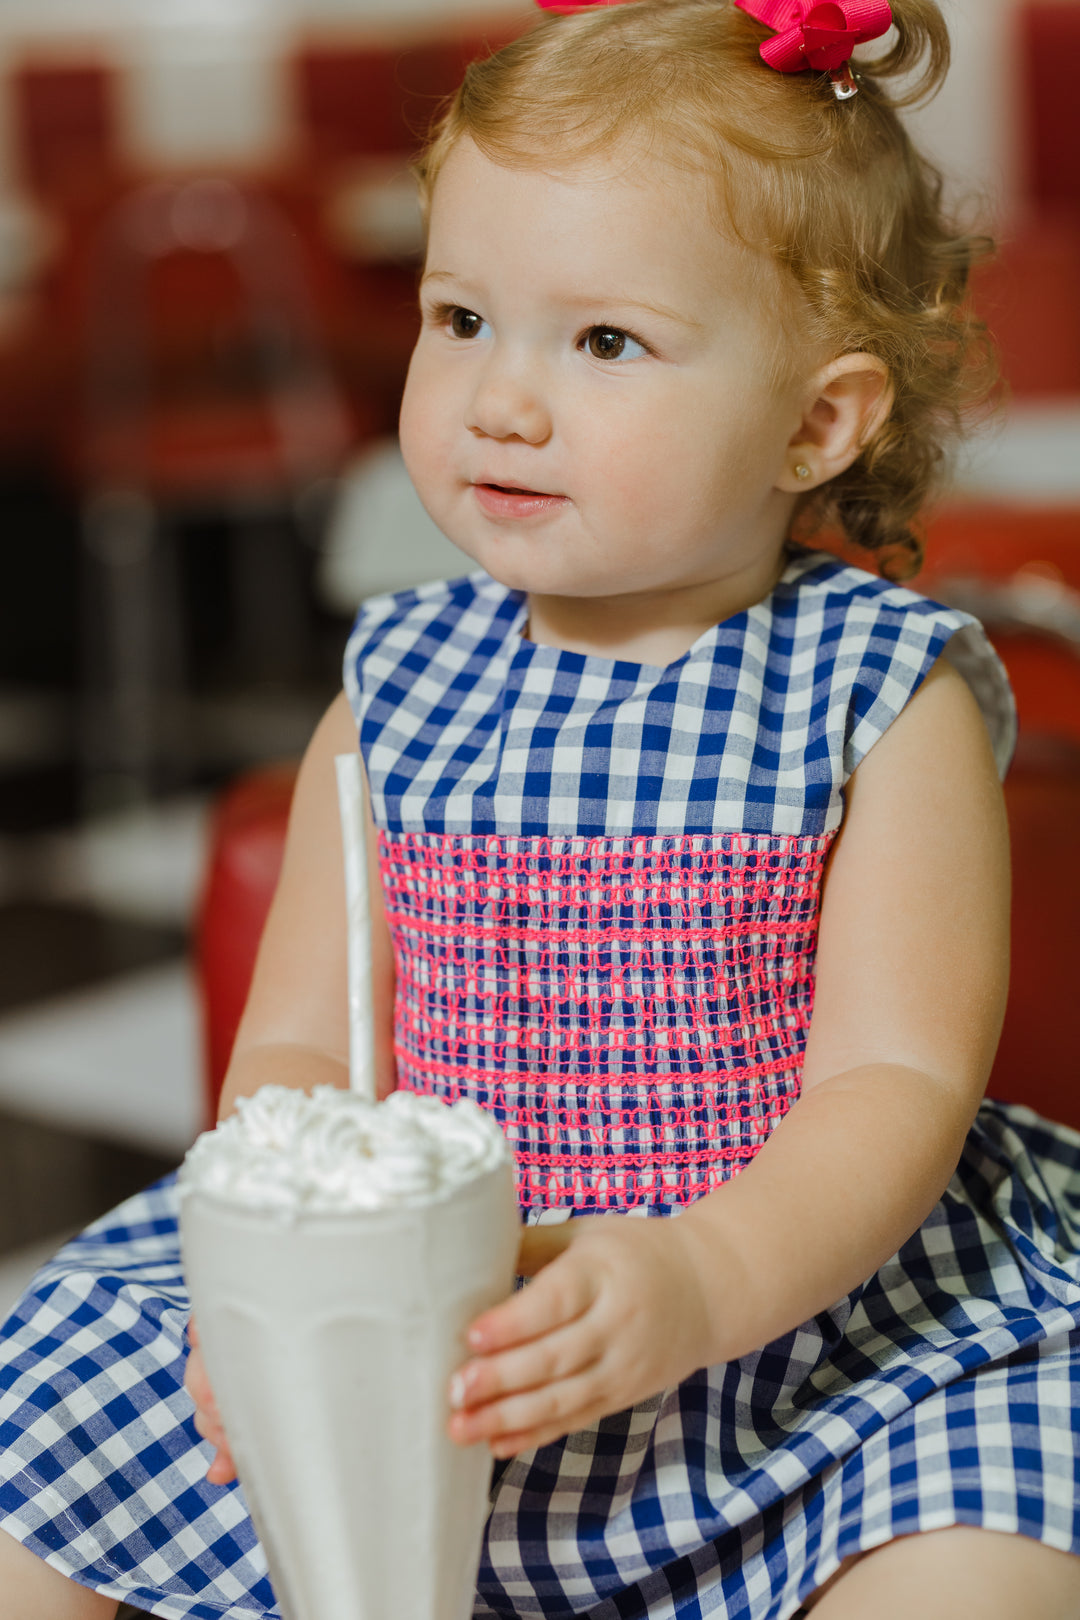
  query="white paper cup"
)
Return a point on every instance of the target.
[{"x": 329, "y": 1341}]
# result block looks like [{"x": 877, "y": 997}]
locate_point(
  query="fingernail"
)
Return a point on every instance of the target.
[
  {"x": 457, "y": 1392},
  {"x": 475, "y": 1338}
]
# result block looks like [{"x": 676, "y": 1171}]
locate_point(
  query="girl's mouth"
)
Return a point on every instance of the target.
[{"x": 509, "y": 501}]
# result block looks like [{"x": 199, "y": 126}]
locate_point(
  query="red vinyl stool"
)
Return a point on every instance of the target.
[
  {"x": 1048, "y": 51},
  {"x": 373, "y": 100},
  {"x": 1027, "y": 296},
  {"x": 66, "y": 129},
  {"x": 208, "y": 389},
  {"x": 247, "y": 840},
  {"x": 1037, "y": 1061},
  {"x": 1018, "y": 570}
]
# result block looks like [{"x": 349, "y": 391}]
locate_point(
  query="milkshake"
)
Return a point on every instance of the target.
[{"x": 336, "y": 1251}]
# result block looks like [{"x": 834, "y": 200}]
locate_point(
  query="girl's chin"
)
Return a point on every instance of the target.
[
  {"x": 544, "y": 581},
  {"x": 543, "y": 559},
  {"x": 538, "y": 568}
]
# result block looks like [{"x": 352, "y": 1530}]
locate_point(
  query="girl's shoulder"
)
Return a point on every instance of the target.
[
  {"x": 819, "y": 582},
  {"x": 877, "y": 641}
]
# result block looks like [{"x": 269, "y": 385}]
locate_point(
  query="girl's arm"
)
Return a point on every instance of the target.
[
  {"x": 912, "y": 973},
  {"x": 295, "y": 1028},
  {"x": 911, "y": 980}
]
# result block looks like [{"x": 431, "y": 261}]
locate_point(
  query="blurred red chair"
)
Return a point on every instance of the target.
[
  {"x": 1049, "y": 53},
  {"x": 247, "y": 839},
  {"x": 349, "y": 104},
  {"x": 1028, "y": 297},
  {"x": 1028, "y": 294},
  {"x": 207, "y": 387},
  {"x": 205, "y": 368},
  {"x": 66, "y": 129},
  {"x": 1019, "y": 570},
  {"x": 1037, "y": 1060},
  {"x": 359, "y": 101}
]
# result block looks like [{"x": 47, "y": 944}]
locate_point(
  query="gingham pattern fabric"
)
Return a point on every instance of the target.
[
  {"x": 618, "y": 958},
  {"x": 945, "y": 1391},
  {"x": 942, "y": 1392},
  {"x": 101, "y": 1471},
  {"x": 468, "y": 727}
]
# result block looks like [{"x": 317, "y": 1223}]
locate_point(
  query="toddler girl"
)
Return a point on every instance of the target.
[{"x": 694, "y": 871}]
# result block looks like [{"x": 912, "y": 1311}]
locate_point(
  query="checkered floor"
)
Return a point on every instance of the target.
[
  {"x": 99, "y": 1064},
  {"x": 99, "y": 1038}
]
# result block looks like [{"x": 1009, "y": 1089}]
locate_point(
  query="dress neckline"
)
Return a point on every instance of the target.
[{"x": 799, "y": 560}]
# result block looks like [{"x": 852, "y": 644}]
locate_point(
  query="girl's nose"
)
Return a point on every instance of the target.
[{"x": 506, "y": 404}]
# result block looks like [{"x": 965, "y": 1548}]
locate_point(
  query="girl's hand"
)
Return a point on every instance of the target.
[
  {"x": 207, "y": 1418},
  {"x": 616, "y": 1313}
]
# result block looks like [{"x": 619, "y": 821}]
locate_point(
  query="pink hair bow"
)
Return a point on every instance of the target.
[
  {"x": 818, "y": 35},
  {"x": 575, "y": 5}
]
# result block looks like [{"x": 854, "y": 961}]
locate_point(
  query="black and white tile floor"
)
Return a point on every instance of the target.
[{"x": 99, "y": 1038}]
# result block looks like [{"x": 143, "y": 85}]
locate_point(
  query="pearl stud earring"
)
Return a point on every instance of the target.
[{"x": 802, "y": 471}]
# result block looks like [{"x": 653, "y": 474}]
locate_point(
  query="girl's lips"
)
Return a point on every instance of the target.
[{"x": 501, "y": 501}]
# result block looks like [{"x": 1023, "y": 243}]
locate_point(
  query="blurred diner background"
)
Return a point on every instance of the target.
[{"x": 208, "y": 252}]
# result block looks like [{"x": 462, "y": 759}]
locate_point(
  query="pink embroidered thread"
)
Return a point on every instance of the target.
[{"x": 634, "y": 1009}]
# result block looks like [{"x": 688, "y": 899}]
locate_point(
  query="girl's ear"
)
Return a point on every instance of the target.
[{"x": 849, "y": 400}]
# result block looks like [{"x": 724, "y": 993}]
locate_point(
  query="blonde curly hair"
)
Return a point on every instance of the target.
[{"x": 834, "y": 191}]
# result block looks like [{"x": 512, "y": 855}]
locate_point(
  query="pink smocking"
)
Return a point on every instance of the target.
[{"x": 634, "y": 1010}]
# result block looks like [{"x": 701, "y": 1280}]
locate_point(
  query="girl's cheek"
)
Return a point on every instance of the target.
[{"x": 419, "y": 440}]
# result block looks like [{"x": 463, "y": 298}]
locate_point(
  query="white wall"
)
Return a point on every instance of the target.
[{"x": 971, "y": 127}]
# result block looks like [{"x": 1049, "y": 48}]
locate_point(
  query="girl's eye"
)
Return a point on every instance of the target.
[
  {"x": 465, "y": 323},
  {"x": 609, "y": 343}
]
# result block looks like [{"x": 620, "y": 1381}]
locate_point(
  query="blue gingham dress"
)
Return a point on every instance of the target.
[{"x": 941, "y": 1392}]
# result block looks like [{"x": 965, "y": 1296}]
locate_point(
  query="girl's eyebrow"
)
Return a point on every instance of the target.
[
  {"x": 583, "y": 301},
  {"x": 441, "y": 275},
  {"x": 619, "y": 301}
]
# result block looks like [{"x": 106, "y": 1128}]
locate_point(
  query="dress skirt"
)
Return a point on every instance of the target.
[{"x": 945, "y": 1391}]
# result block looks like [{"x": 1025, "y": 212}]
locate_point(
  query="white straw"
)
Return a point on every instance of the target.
[{"x": 361, "y": 1010}]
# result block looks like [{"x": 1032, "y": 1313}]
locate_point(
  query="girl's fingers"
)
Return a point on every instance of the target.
[
  {"x": 509, "y": 1445},
  {"x": 211, "y": 1432},
  {"x": 543, "y": 1361},
  {"x": 204, "y": 1428},
  {"x": 198, "y": 1386},
  {"x": 556, "y": 1407},
  {"x": 222, "y": 1469},
  {"x": 560, "y": 1294},
  {"x": 207, "y": 1419}
]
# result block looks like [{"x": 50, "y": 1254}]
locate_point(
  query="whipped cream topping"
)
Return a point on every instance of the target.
[{"x": 334, "y": 1151}]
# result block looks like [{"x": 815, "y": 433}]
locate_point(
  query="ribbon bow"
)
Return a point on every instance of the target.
[
  {"x": 821, "y": 35},
  {"x": 574, "y": 5}
]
